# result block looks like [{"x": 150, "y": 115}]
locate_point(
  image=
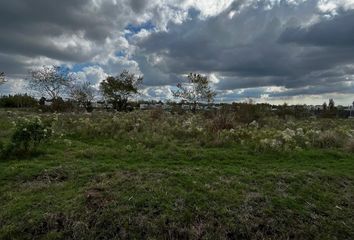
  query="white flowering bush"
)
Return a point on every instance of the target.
[
  {"x": 29, "y": 133},
  {"x": 146, "y": 129}
]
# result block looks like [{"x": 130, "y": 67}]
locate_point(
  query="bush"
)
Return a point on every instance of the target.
[
  {"x": 57, "y": 105},
  {"x": 349, "y": 145},
  {"x": 328, "y": 139},
  {"x": 29, "y": 133},
  {"x": 220, "y": 121}
]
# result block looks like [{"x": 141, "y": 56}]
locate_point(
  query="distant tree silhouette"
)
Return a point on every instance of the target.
[
  {"x": 2, "y": 77},
  {"x": 324, "y": 106},
  {"x": 117, "y": 90},
  {"x": 51, "y": 81},
  {"x": 83, "y": 94},
  {"x": 331, "y": 104},
  {"x": 195, "y": 89}
]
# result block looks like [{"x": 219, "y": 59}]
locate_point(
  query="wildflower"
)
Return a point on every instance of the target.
[
  {"x": 254, "y": 124},
  {"x": 300, "y": 132},
  {"x": 67, "y": 142},
  {"x": 288, "y": 134},
  {"x": 199, "y": 129},
  {"x": 129, "y": 148}
]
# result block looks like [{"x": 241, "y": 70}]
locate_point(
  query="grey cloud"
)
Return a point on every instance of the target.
[
  {"x": 256, "y": 47},
  {"x": 335, "y": 32},
  {"x": 46, "y": 28},
  {"x": 265, "y": 43}
]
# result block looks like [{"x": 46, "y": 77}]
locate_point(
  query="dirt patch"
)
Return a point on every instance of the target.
[
  {"x": 46, "y": 177},
  {"x": 57, "y": 174},
  {"x": 97, "y": 198}
]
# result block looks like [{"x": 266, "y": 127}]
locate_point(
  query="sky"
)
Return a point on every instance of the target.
[{"x": 276, "y": 51}]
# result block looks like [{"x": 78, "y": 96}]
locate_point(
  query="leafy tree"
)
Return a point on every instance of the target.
[
  {"x": 195, "y": 89},
  {"x": 324, "y": 106},
  {"x": 51, "y": 81},
  {"x": 117, "y": 90},
  {"x": 84, "y": 94}
]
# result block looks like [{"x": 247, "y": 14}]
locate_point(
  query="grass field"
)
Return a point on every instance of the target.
[{"x": 107, "y": 182}]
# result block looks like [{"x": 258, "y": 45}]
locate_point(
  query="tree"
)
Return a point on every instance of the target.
[
  {"x": 195, "y": 89},
  {"x": 331, "y": 104},
  {"x": 324, "y": 106},
  {"x": 51, "y": 81},
  {"x": 83, "y": 94},
  {"x": 117, "y": 90},
  {"x": 2, "y": 77}
]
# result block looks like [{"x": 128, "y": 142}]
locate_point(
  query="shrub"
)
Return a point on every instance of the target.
[
  {"x": 349, "y": 145},
  {"x": 328, "y": 139},
  {"x": 221, "y": 121},
  {"x": 29, "y": 133}
]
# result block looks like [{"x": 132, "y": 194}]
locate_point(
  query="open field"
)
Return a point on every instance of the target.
[{"x": 154, "y": 175}]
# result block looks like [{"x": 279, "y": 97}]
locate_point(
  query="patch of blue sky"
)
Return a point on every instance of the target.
[
  {"x": 80, "y": 66},
  {"x": 120, "y": 53},
  {"x": 132, "y": 29}
]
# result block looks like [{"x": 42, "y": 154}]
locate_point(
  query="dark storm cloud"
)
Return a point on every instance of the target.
[
  {"x": 335, "y": 32},
  {"x": 260, "y": 47},
  {"x": 252, "y": 44},
  {"x": 138, "y": 5},
  {"x": 11, "y": 63},
  {"x": 66, "y": 30}
]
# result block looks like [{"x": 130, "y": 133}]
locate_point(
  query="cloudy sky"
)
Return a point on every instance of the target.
[{"x": 295, "y": 51}]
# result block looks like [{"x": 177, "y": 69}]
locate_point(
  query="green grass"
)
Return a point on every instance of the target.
[{"x": 98, "y": 188}]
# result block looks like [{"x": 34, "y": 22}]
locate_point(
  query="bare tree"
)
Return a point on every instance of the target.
[
  {"x": 51, "y": 81},
  {"x": 84, "y": 94},
  {"x": 117, "y": 90},
  {"x": 195, "y": 89}
]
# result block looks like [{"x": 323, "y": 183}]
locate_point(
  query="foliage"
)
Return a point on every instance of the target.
[
  {"x": 328, "y": 139},
  {"x": 196, "y": 89},
  {"x": 56, "y": 105},
  {"x": 18, "y": 101},
  {"x": 2, "y": 77},
  {"x": 29, "y": 133},
  {"x": 331, "y": 105},
  {"x": 117, "y": 90},
  {"x": 148, "y": 175},
  {"x": 83, "y": 94},
  {"x": 51, "y": 81},
  {"x": 349, "y": 145}
]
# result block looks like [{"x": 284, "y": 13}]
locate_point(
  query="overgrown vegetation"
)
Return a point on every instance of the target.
[
  {"x": 18, "y": 101},
  {"x": 193, "y": 170},
  {"x": 159, "y": 175}
]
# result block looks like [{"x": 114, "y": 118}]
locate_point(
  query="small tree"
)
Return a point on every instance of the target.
[
  {"x": 196, "y": 89},
  {"x": 83, "y": 94},
  {"x": 51, "y": 81},
  {"x": 117, "y": 90},
  {"x": 331, "y": 104},
  {"x": 324, "y": 106}
]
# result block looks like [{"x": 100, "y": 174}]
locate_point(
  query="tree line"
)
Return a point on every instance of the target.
[{"x": 54, "y": 83}]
